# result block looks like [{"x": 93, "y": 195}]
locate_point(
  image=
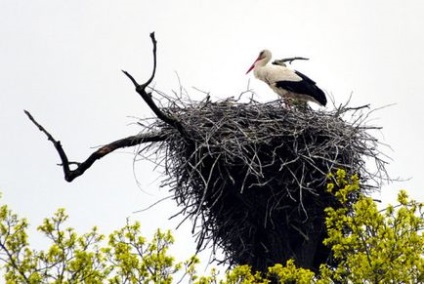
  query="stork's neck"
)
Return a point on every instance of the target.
[{"x": 262, "y": 62}]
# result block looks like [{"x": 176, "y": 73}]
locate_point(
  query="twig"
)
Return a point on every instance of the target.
[
  {"x": 283, "y": 61},
  {"x": 13, "y": 260},
  {"x": 70, "y": 175}
]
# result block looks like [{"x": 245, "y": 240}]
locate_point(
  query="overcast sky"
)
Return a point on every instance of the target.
[{"x": 62, "y": 61}]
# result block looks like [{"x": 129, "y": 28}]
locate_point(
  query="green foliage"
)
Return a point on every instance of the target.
[
  {"x": 73, "y": 258},
  {"x": 370, "y": 245},
  {"x": 375, "y": 246}
]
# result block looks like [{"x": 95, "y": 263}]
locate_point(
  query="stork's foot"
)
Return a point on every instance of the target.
[
  {"x": 295, "y": 105},
  {"x": 302, "y": 106}
]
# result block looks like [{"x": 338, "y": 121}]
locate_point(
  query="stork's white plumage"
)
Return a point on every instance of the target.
[{"x": 289, "y": 84}]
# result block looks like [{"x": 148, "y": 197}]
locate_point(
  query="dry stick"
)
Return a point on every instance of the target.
[
  {"x": 70, "y": 175},
  {"x": 289, "y": 60}
]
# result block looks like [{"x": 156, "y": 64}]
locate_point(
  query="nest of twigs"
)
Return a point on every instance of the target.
[{"x": 253, "y": 175}]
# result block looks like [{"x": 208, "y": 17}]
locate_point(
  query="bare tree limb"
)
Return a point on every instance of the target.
[
  {"x": 70, "y": 175},
  {"x": 147, "y": 96}
]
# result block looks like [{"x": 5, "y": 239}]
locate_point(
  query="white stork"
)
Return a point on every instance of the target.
[{"x": 287, "y": 83}]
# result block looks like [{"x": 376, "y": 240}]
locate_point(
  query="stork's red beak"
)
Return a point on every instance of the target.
[{"x": 251, "y": 67}]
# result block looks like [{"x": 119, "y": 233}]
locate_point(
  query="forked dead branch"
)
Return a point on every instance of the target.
[{"x": 252, "y": 176}]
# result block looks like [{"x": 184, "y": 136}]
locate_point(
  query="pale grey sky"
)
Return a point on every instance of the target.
[{"x": 61, "y": 60}]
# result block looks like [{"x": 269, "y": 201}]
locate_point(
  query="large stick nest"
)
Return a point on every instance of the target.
[{"x": 255, "y": 175}]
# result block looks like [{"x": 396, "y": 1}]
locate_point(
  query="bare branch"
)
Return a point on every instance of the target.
[
  {"x": 81, "y": 167},
  {"x": 57, "y": 145},
  {"x": 147, "y": 96},
  {"x": 70, "y": 175},
  {"x": 152, "y": 36}
]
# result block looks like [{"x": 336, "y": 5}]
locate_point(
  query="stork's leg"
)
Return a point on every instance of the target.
[{"x": 288, "y": 102}]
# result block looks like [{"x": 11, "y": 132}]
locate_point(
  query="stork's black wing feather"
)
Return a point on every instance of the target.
[
  {"x": 304, "y": 77},
  {"x": 305, "y": 87}
]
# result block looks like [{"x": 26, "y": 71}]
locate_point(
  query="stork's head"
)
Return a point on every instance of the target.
[{"x": 263, "y": 58}]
